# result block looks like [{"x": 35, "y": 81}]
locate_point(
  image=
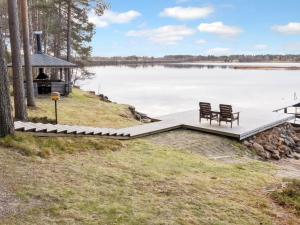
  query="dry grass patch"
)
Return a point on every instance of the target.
[
  {"x": 44, "y": 147},
  {"x": 141, "y": 183},
  {"x": 289, "y": 196}
]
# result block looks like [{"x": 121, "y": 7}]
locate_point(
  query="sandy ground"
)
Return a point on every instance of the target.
[
  {"x": 220, "y": 148},
  {"x": 211, "y": 146}
]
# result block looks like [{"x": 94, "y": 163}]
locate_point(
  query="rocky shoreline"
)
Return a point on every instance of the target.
[
  {"x": 142, "y": 117},
  {"x": 277, "y": 143}
]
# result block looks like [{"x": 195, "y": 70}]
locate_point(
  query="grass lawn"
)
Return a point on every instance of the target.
[
  {"x": 72, "y": 180},
  {"x": 83, "y": 108},
  {"x": 135, "y": 182}
]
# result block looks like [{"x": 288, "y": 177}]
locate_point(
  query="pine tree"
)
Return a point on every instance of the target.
[
  {"x": 6, "y": 120},
  {"x": 27, "y": 54},
  {"x": 18, "y": 80}
]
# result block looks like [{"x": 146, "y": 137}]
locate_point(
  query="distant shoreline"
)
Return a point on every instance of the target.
[{"x": 223, "y": 65}]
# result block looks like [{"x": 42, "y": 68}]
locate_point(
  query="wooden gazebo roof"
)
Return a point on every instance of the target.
[{"x": 44, "y": 60}]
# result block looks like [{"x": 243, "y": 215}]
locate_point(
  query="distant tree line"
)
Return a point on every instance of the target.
[{"x": 190, "y": 58}]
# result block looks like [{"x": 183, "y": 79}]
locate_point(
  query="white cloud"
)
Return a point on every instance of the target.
[
  {"x": 168, "y": 35},
  {"x": 201, "y": 42},
  {"x": 261, "y": 47},
  {"x": 220, "y": 29},
  {"x": 188, "y": 13},
  {"x": 219, "y": 51},
  {"x": 290, "y": 28},
  {"x": 111, "y": 17}
]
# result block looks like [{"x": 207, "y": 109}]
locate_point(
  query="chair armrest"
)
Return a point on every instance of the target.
[{"x": 235, "y": 117}]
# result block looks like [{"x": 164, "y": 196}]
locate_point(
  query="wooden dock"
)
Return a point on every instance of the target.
[{"x": 252, "y": 122}]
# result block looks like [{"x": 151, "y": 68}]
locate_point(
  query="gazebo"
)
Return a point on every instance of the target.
[{"x": 59, "y": 81}]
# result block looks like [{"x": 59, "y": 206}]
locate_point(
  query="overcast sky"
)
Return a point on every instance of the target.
[{"x": 218, "y": 27}]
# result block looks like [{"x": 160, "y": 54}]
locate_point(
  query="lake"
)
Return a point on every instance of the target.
[{"x": 159, "y": 90}]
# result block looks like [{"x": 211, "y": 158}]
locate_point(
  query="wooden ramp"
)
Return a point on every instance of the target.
[{"x": 251, "y": 123}]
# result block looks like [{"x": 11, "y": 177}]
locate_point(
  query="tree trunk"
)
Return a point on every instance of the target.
[
  {"x": 69, "y": 40},
  {"x": 30, "y": 24},
  {"x": 69, "y": 31},
  {"x": 27, "y": 54},
  {"x": 6, "y": 120},
  {"x": 18, "y": 80}
]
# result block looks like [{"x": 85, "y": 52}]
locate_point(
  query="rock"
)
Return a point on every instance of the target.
[
  {"x": 260, "y": 151},
  {"x": 283, "y": 148},
  {"x": 297, "y": 149},
  {"x": 258, "y": 147},
  {"x": 104, "y": 98},
  {"x": 275, "y": 155},
  {"x": 269, "y": 148},
  {"x": 296, "y": 156},
  {"x": 283, "y": 136},
  {"x": 289, "y": 141},
  {"x": 131, "y": 108},
  {"x": 248, "y": 144}
]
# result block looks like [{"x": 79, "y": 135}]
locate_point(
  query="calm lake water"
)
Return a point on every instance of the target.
[{"x": 159, "y": 90}]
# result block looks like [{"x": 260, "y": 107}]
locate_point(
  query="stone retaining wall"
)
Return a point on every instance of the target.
[{"x": 280, "y": 142}]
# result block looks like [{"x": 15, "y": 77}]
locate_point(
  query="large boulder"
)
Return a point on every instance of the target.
[
  {"x": 260, "y": 151},
  {"x": 269, "y": 148},
  {"x": 275, "y": 155}
]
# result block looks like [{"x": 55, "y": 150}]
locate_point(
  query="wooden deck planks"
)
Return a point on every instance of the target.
[{"x": 251, "y": 123}]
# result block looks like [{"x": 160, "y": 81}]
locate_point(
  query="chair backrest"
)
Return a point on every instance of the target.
[
  {"x": 205, "y": 108},
  {"x": 225, "y": 111}
]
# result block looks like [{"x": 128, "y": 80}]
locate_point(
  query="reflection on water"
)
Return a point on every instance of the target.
[{"x": 158, "y": 90}]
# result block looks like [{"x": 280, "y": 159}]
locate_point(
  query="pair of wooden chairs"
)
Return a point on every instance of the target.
[{"x": 225, "y": 114}]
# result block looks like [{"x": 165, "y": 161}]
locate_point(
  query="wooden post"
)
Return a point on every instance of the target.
[
  {"x": 60, "y": 73},
  {"x": 55, "y": 96},
  {"x": 67, "y": 82},
  {"x": 55, "y": 103}
]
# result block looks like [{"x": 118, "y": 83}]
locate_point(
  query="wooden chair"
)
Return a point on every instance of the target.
[
  {"x": 227, "y": 115},
  {"x": 206, "y": 113}
]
